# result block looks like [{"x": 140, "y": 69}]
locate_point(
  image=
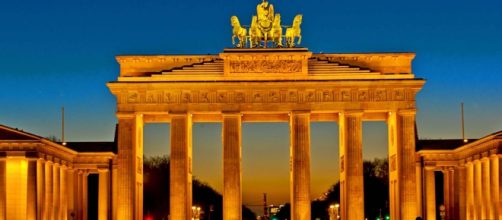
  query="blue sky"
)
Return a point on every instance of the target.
[{"x": 55, "y": 53}]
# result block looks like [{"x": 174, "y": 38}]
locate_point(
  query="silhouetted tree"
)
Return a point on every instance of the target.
[
  {"x": 376, "y": 192},
  {"x": 156, "y": 193}
]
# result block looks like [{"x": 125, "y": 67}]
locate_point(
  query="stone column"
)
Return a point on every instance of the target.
[
  {"x": 79, "y": 198},
  {"x": 469, "y": 195},
  {"x": 70, "y": 189},
  {"x": 430, "y": 194},
  {"x": 181, "y": 167},
  {"x": 495, "y": 185},
  {"x": 232, "y": 154},
  {"x": 487, "y": 201},
  {"x": 130, "y": 163},
  {"x": 40, "y": 189},
  {"x": 403, "y": 198},
  {"x": 63, "y": 196},
  {"x": 103, "y": 193},
  {"x": 478, "y": 192},
  {"x": 3, "y": 185},
  {"x": 351, "y": 166},
  {"x": 49, "y": 206},
  {"x": 460, "y": 193},
  {"x": 299, "y": 131},
  {"x": 449, "y": 192},
  {"x": 85, "y": 194},
  {"x": 419, "y": 187},
  {"x": 55, "y": 189},
  {"x": 31, "y": 208},
  {"x": 446, "y": 192}
]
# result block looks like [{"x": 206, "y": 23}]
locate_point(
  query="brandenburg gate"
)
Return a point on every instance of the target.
[
  {"x": 260, "y": 84},
  {"x": 267, "y": 85}
]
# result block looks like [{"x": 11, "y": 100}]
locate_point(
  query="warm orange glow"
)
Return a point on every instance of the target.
[{"x": 16, "y": 187}]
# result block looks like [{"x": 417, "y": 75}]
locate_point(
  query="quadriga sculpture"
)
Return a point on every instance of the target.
[
  {"x": 294, "y": 31},
  {"x": 239, "y": 32}
]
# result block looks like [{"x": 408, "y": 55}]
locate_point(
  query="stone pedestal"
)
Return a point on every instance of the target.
[
  {"x": 181, "y": 167},
  {"x": 299, "y": 125},
  {"x": 351, "y": 166},
  {"x": 232, "y": 194}
]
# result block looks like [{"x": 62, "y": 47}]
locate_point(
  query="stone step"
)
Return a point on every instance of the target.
[{"x": 339, "y": 71}]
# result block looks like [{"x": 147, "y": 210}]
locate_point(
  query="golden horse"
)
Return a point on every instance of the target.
[
  {"x": 276, "y": 31},
  {"x": 294, "y": 31},
  {"x": 255, "y": 35},
  {"x": 238, "y": 31}
]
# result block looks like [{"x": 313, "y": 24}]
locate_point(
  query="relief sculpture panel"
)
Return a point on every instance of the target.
[{"x": 266, "y": 66}]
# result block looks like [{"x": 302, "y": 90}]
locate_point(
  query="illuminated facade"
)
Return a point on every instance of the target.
[
  {"x": 469, "y": 174},
  {"x": 42, "y": 179},
  {"x": 267, "y": 85}
]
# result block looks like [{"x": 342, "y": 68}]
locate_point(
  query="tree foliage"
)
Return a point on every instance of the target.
[{"x": 156, "y": 193}]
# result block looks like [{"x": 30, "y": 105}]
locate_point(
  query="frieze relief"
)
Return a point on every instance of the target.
[
  {"x": 267, "y": 96},
  {"x": 266, "y": 66}
]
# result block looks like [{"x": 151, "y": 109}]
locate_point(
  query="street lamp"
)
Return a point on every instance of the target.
[
  {"x": 333, "y": 211},
  {"x": 195, "y": 213}
]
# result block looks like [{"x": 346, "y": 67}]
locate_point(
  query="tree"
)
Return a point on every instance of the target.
[
  {"x": 156, "y": 193},
  {"x": 376, "y": 192}
]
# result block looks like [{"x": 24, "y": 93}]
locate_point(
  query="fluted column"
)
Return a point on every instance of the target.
[
  {"x": 70, "y": 191},
  {"x": 55, "y": 189},
  {"x": 351, "y": 166},
  {"x": 299, "y": 131},
  {"x": 130, "y": 162},
  {"x": 430, "y": 194},
  {"x": 402, "y": 176},
  {"x": 49, "y": 206},
  {"x": 449, "y": 192},
  {"x": 470, "y": 207},
  {"x": 478, "y": 191},
  {"x": 31, "y": 209},
  {"x": 79, "y": 186},
  {"x": 232, "y": 154},
  {"x": 485, "y": 163},
  {"x": 460, "y": 193},
  {"x": 85, "y": 194},
  {"x": 446, "y": 192},
  {"x": 63, "y": 193},
  {"x": 419, "y": 186},
  {"x": 181, "y": 167},
  {"x": 103, "y": 193},
  {"x": 40, "y": 189},
  {"x": 3, "y": 192},
  {"x": 495, "y": 185}
]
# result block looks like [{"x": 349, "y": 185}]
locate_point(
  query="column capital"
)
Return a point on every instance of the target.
[
  {"x": 354, "y": 112},
  {"x": 125, "y": 115},
  {"x": 407, "y": 112},
  {"x": 180, "y": 114},
  {"x": 231, "y": 114}
]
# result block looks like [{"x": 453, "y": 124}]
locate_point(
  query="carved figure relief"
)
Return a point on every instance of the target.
[{"x": 266, "y": 66}]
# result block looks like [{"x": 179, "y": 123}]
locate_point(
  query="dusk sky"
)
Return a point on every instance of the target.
[{"x": 61, "y": 53}]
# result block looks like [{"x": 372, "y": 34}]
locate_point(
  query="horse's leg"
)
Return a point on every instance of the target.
[
  {"x": 233, "y": 40},
  {"x": 299, "y": 38}
]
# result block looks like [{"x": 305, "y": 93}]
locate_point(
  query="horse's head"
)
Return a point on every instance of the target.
[
  {"x": 277, "y": 20},
  {"x": 235, "y": 21},
  {"x": 254, "y": 21},
  {"x": 298, "y": 20}
]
